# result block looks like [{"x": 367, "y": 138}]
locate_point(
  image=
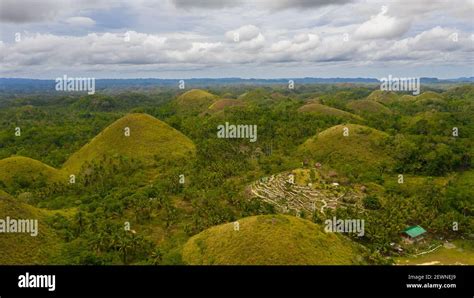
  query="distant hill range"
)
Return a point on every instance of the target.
[{"x": 35, "y": 85}]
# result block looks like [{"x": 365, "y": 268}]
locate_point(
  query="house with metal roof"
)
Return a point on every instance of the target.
[{"x": 413, "y": 234}]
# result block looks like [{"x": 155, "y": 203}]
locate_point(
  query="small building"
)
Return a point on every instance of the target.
[
  {"x": 396, "y": 247},
  {"x": 413, "y": 234},
  {"x": 317, "y": 165}
]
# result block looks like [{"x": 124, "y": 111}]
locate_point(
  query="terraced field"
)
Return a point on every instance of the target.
[{"x": 303, "y": 197}]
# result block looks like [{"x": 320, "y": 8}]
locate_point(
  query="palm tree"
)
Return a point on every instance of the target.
[
  {"x": 124, "y": 245},
  {"x": 79, "y": 221}
]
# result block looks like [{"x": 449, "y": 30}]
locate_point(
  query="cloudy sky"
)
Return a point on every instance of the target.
[{"x": 239, "y": 38}]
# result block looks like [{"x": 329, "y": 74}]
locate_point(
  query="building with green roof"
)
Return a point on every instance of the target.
[{"x": 413, "y": 234}]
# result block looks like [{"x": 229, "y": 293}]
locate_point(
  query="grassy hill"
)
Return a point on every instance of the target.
[
  {"x": 368, "y": 106},
  {"x": 270, "y": 240},
  {"x": 423, "y": 98},
  {"x": 19, "y": 171},
  {"x": 412, "y": 185},
  {"x": 150, "y": 139},
  {"x": 22, "y": 248},
  {"x": 429, "y": 95},
  {"x": 260, "y": 96},
  {"x": 465, "y": 180},
  {"x": 430, "y": 121},
  {"x": 194, "y": 100},
  {"x": 384, "y": 97},
  {"x": 460, "y": 92},
  {"x": 320, "y": 109},
  {"x": 361, "y": 154},
  {"x": 221, "y": 104},
  {"x": 407, "y": 98}
]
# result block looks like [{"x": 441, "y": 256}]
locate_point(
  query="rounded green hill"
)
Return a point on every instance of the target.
[
  {"x": 391, "y": 97},
  {"x": 360, "y": 154},
  {"x": 407, "y": 98},
  {"x": 384, "y": 97},
  {"x": 25, "y": 172},
  {"x": 431, "y": 118},
  {"x": 138, "y": 136},
  {"x": 255, "y": 95},
  {"x": 195, "y": 100},
  {"x": 368, "y": 106},
  {"x": 429, "y": 94},
  {"x": 270, "y": 240},
  {"x": 320, "y": 109},
  {"x": 23, "y": 248},
  {"x": 222, "y": 104},
  {"x": 429, "y": 97}
]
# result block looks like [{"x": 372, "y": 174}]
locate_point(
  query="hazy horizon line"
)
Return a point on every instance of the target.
[{"x": 234, "y": 78}]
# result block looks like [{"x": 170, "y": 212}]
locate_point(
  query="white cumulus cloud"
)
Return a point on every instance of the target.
[
  {"x": 382, "y": 26},
  {"x": 80, "y": 21}
]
